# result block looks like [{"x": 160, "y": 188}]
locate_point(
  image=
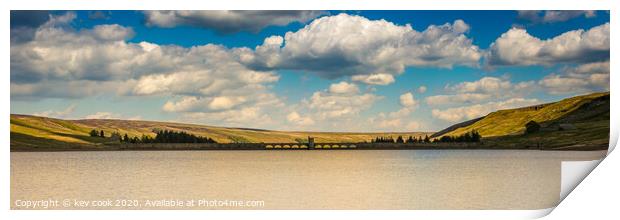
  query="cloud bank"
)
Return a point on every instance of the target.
[
  {"x": 228, "y": 22},
  {"x": 369, "y": 50},
  {"x": 233, "y": 86},
  {"x": 553, "y": 16},
  {"x": 206, "y": 80},
  {"x": 517, "y": 47}
]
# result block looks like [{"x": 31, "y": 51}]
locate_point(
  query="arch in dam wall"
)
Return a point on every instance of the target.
[{"x": 305, "y": 146}]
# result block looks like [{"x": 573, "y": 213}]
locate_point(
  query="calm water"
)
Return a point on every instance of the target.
[{"x": 363, "y": 179}]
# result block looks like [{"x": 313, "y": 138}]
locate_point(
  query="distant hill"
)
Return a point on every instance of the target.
[
  {"x": 577, "y": 123},
  {"x": 29, "y": 131},
  {"x": 577, "y": 120},
  {"x": 454, "y": 127}
]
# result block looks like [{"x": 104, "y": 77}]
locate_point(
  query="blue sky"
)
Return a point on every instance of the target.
[{"x": 303, "y": 70}]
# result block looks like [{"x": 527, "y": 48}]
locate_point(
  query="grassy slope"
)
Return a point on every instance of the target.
[
  {"x": 589, "y": 135},
  {"x": 32, "y": 131},
  {"x": 588, "y": 113}
]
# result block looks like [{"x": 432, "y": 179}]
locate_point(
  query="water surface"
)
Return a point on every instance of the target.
[{"x": 338, "y": 179}]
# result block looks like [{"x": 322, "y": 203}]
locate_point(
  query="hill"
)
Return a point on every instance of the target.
[
  {"x": 577, "y": 121},
  {"x": 454, "y": 127},
  {"x": 33, "y": 132}
]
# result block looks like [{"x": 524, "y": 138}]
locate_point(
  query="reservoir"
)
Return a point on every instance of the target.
[{"x": 345, "y": 179}]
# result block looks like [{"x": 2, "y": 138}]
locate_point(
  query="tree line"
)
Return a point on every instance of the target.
[
  {"x": 400, "y": 139},
  {"x": 161, "y": 136},
  {"x": 95, "y": 133},
  {"x": 472, "y": 136}
]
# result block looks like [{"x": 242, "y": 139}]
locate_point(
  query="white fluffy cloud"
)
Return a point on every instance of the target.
[
  {"x": 459, "y": 114},
  {"x": 346, "y": 45},
  {"x": 202, "y": 104},
  {"x": 228, "y": 21},
  {"x": 407, "y": 100},
  {"x": 66, "y": 113},
  {"x": 58, "y": 89},
  {"x": 334, "y": 108},
  {"x": 399, "y": 120},
  {"x": 395, "y": 124},
  {"x": 343, "y": 88},
  {"x": 375, "y": 79},
  {"x": 248, "y": 116},
  {"x": 481, "y": 90},
  {"x": 338, "y": 106},
  {"x": 457, "y": 98},
  {"x": 517, "y": 47},
  {"x": 297, "y": 119},
  {"x": 111, "y": 115},
  {"x": 585, "y": 78},
  {"x": 99, "y": 54},
  {"x": 102, "y": 115},
  {"x": 205, "y": 80},
  {"x": 484, "y": 85},
  {"x": 329, "y": 110},
  {"x": 422, "y": 89},
  {"x": 112, "y": 32}
]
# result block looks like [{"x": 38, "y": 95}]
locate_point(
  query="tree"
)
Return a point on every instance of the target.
[
  {"x": 388, "y": 139},
  {"x": 410, "y": 140},
  {"x": 146, "y": 139},
  {"x": 101, "y": 134},
  {"x": 475, "y": 136},
  {"x": 400, "y": 140},
  {"x": 126, "y": 138},
  {"x": 94, "y": 133},
  {"x": 167, "y": 136},
  {"x": 426, "y": 139},
  {"x": 445, "y": 139},
  {"x": 471, "y": 136}
]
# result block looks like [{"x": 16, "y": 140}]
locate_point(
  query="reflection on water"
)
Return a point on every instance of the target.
[{"x": 369, "y": 179}]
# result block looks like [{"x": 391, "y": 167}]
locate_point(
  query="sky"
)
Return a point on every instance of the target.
[{"x": 362, "y": 71}]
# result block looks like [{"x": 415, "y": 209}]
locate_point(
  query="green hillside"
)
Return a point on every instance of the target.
[
  {"x": 580, "y": 120},
  {"x": 29, "y": 132}
]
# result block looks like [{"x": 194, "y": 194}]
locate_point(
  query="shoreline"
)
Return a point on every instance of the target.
[{"x": 296, "y": 147}]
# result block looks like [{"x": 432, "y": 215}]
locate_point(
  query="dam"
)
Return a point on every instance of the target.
[{"x": 309, "y": 145}]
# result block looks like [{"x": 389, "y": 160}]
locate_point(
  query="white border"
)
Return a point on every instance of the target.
[
  {"x": 588, "y": 203},
  {"x": 315, "y": 5}
]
